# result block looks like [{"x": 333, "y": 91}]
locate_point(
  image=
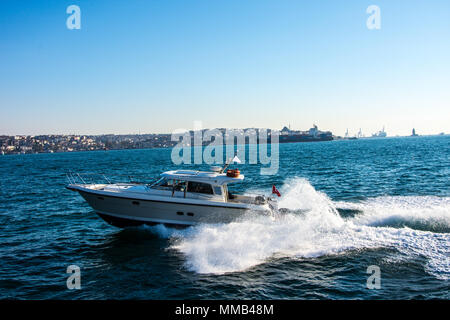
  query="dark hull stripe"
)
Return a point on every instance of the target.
[{"x": 123, "y": 222}]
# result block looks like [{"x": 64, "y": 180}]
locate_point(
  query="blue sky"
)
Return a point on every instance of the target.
[{"x": 155, "y": 66}]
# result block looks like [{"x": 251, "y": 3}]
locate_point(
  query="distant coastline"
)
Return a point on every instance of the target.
[
  {"x": 21, "y": 144},
  {"x": 28, "y": 144}
]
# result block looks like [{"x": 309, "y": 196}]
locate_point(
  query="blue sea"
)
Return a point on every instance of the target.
[{"x": 360, "y": 203}]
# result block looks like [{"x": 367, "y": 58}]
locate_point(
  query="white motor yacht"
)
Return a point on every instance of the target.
[{"x": 179, "y": 198}]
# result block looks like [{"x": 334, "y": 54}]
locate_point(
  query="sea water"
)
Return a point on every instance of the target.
[{"x": 354, "y": 204}]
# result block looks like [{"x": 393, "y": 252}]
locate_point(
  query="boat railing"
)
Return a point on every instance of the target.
[{"x": 101, "y": 178}]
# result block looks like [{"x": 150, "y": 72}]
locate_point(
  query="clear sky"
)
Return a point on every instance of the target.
[{"x": 155, "y": 66}]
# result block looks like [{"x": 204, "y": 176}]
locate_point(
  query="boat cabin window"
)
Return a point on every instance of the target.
[
  {"x": 169, "y": 184},
  {"x": 218, "y": 190},
  {"x": 199, "y": 187},
  {"x": 179, "y": 185}
]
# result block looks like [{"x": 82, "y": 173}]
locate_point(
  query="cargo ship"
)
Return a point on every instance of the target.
[{"x": 312, "y": 135}]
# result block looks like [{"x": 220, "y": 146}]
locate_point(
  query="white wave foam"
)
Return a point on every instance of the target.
[
  {"x": 240, "y": 245},
  {"x": 162, "y": 231},
  {"x": 430, "y": 211}
]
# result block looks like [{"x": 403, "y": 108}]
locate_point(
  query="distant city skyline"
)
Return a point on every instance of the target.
[
  {"x": 153, "y": 67},
  {"x": 356, "y": 133}
]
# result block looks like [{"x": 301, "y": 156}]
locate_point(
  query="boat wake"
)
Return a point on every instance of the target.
[
  {"x": 425, "y": 213},
  {"x": 415, "y": 226}
]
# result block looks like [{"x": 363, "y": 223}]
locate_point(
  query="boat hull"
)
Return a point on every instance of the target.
[
  {"x": 125, "y": 222},
  {"x": 124, "y": 212}
]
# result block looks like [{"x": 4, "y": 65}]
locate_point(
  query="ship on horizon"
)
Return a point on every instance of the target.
[
  {"x": 311, "y": 135},
  {"x": 380, "y": 134}
]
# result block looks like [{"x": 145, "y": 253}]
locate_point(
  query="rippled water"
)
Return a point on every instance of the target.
[{"x": 383, "y": 202}]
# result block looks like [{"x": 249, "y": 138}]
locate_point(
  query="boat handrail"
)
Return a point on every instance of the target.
[{"x": 100, "y": 178}]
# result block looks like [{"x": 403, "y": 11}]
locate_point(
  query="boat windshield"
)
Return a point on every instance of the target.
[
  {"x": 163, "y": 184},
  {"x": 169, "y": 184}
]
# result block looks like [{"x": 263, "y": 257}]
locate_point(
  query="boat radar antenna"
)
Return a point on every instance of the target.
[{"x": 229, "y": 161}]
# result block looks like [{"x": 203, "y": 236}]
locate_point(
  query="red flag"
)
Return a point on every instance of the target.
[{"x": 274, "y": 190}]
